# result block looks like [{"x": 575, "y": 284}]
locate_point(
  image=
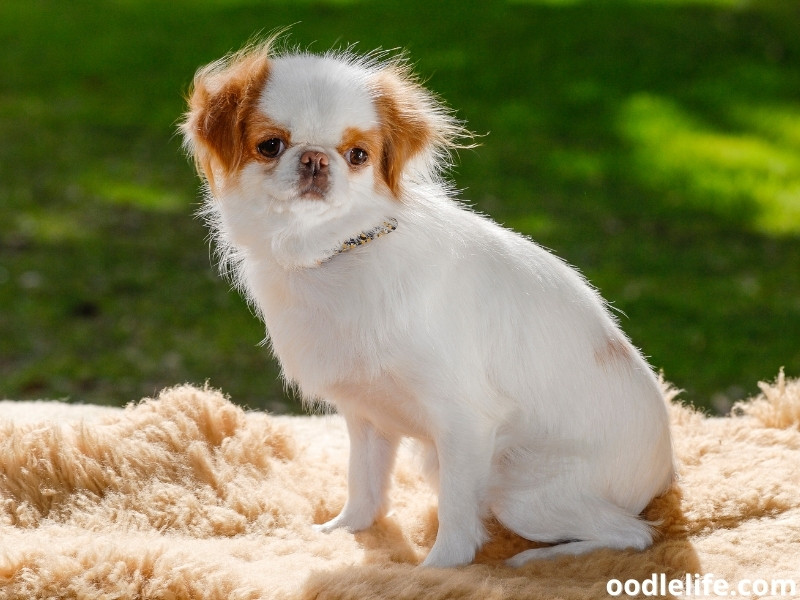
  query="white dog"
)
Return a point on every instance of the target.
[{"x": 414, "y": 316}]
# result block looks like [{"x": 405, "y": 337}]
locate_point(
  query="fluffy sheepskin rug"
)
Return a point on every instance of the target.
[{"x": 188, "y": 496}]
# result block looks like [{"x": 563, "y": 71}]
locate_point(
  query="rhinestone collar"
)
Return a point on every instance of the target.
[{"x": 385, "y": 228}]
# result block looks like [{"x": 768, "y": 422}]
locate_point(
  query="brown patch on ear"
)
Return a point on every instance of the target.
[
  {"x": 413, "y": 124},
  {"x": 404, "y": 129},
  {"x": 223, "y": 96}
]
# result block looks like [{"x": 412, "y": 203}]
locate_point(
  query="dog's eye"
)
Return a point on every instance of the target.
[
  {"x": 356, "y": 156},
  {"x": 271, "y": 148}
]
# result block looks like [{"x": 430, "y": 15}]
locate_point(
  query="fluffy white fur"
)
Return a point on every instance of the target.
[{"x": 499, "y": 358}]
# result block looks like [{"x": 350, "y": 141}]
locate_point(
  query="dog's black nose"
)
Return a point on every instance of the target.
[{"x": 316, "y": 162}]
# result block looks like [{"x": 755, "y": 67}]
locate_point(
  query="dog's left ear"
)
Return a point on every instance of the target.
[
  {"x": 223, "y": 94},
  {"x": 414, "y": 125}
]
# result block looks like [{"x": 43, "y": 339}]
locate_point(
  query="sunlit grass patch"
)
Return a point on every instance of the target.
[
  {"x": 50, "y": 227},
  {"x": 125, "y": 192},
  {"x": 734, "y": 172}
]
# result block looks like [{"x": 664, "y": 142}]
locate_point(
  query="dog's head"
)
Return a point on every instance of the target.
[{"x": 310, "y": 132}]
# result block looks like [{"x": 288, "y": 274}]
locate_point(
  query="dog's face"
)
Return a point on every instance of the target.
[
  {"x": 315, "y": 134},
  {"x": 314, "y": 137},
  {"x": 308, "y": 140}
]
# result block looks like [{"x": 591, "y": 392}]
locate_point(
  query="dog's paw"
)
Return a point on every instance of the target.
[
  {"x": 324, "y": 527},
  {"x": 443, "y": 557},
  {"x": 349, "y": 523}
]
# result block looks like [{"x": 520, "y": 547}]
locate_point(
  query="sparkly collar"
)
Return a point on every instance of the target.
[{"x": 388, "y": 226}]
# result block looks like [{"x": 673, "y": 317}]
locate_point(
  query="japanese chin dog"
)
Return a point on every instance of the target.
[{"x": 413, "y": 316}]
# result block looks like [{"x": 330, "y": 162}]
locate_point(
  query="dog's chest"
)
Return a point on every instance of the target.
[
  {"x": 386, "y": 402},
  {"x": 330, "y": 331},
  {"x": 344, "y": 342}
]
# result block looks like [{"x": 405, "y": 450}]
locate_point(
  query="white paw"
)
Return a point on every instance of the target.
[
  {"x": 325, "y": 527},
  {"x": 443, "y": 557},
  {"x": 347, "y": 522}
]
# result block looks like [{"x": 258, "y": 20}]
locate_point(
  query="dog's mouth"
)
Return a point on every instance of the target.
[{"x": 312, "y": 192}]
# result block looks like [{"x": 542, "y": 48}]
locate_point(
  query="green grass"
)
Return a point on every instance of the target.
[{"x": 653, "y": 144}]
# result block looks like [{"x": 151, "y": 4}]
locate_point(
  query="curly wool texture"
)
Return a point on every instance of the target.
[{"x": 188, "y": 496}]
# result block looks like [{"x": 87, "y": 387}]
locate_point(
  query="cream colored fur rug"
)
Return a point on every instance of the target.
[{"x": 187, "y": 496}]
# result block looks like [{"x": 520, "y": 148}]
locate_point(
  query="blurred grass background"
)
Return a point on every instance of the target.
[{"x": 655, "y": 144}]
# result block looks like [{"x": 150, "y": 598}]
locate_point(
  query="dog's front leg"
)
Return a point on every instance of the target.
[
  {"x": 372, "y": 457},
  {"x": 464, "y": 467}
]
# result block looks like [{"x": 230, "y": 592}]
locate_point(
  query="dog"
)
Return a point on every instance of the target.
[{"x": 414, "y": 316}]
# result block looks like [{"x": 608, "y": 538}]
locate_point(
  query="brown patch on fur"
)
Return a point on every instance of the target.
[
  {"x": 614, "y": 350},
  {"x": 259, "y": 128},
  {"x": 413, "y": 121},
  {"x": 369, "y": 140},
  {"x": 403, "y": 129},
  {"x": 221, "y": 106}
]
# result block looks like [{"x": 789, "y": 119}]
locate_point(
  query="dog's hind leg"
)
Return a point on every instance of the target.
[{"x": 588, "y": 523}]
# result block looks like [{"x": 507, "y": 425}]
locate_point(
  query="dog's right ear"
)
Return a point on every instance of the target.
[{"x": 222, "y": 96}]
